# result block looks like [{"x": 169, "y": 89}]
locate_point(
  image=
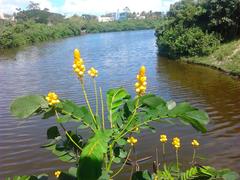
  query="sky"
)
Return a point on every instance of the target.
[{"x": 96, "y": 7}]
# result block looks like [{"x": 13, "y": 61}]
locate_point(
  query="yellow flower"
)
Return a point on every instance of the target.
[
  {"x": 176, "y": 142},
  {"x": 131, "y": 140},
  {"x": 141, "y": 84},
  {"x": 57, "y": 173},
  {"x": 78, "y": 64},
  {"x": 195, "y": 143},
  {"x": 52, "y": 98},
  {"x": 135, "y": 129},
  {"x": 93, "y": 72},
  {"x": 163, "y": 138}
]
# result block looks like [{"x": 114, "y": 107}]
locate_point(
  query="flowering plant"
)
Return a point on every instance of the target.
[{"x": 112, "y": 137}]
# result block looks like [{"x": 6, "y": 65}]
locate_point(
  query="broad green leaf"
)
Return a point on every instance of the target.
[
  {"x": 52, "y": 132},
  {"x": 49, "y": 113},
  {"x": 90, "y": 162},
  {"x": 66, "y": 176},
  {"x": 141, "y": 175},
  {"x": 152, "y": 101},
  {"x": 171, "y": 104},
  {"x": 72, "y": 171},
  {"x": 64, "y": 119},
  {"x": 76, "y": 112},
  {"x": 24, "y": 107},
  {"x": 181, "y": 108},
  {"x": 115, "y": 99},
  {"x": 231, "y": 176}
]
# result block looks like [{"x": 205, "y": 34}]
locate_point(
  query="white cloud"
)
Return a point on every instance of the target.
[
  {"x": 89, "y": 6},
  {"x": 103, "y": 6}
]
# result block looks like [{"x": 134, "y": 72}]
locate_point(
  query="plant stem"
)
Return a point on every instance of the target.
[
  {"x": 111, "y": 158},
  {"x": 177, "y": 160},
  {"x": 123, "y": 164},
  {"x": 96, "y": 94},
  {"x": 101, "y": 97},
  {"x": 129, "y": 122},
  {"x": 88, "y": 104},
  {"x": 194, "y": 155},
  {"x": 66, "y": 132},
  {"x": 157, "y": 159},
  {"x": 164, "y": 154}
]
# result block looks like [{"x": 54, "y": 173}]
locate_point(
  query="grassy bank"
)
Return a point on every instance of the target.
[{"x": 226, "y": 58}]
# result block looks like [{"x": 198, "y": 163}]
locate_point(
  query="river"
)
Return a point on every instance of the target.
[{"x": 48, "y": 67}]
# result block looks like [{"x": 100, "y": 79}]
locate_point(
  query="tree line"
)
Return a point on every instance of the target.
[
  {"x": 197, "y": 27},
  {"x": 35, "y": 25}
]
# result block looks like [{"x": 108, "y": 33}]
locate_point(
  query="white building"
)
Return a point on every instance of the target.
[
  {"x": 105, "y": 19},
  {"x": 1, "y": 15}
]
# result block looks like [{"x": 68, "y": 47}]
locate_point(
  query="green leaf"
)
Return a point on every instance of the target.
[
  {"x": 52, "y": 132},
  {"x": 72, "y": 171},
  {"x": 90, "y": 162},
  {"x": 231, "y": 176},
  {"x": 64, "y": 119},
  {"x": 141, "y": 175},
  {"x": 180, "y": 109},
  {"x": 190, "y": 115},
  {"x": 78, "y": 113},
  {"x": 51, "y": 112},
  {"x": 66, "y": 176},
  {"x": 24, "y": 107},
  {"x": 152, "y": 101},
  {"x": 115, "y": 99}
]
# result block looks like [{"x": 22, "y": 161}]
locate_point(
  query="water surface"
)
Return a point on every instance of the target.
[{"x": 117, "y": 56}]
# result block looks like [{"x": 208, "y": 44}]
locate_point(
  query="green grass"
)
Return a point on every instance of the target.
[{"x": 226, "y": 58}]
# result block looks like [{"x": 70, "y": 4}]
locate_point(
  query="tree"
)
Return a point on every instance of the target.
[{"x": 33, "y": 6}]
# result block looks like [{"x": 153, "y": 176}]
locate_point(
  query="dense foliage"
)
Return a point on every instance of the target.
[
  {"x": 35, "y": 25},
  {"x": 199, "y": 25}
]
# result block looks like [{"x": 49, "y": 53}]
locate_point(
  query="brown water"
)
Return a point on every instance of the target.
[{"x": 47, "y": 66}]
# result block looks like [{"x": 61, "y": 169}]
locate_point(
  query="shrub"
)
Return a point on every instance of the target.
[{"x": 179, "y": 41}]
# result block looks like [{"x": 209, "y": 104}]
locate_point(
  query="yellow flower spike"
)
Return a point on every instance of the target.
[
  {"x": 78, "y": 64},
  {"x": 131, "y": 140},
  {"x": 93, "y": 72},
  {"x": 195, "y": 143},
  {"x": 176, "y": 142},
  {"x": 57, "y": 173},
  {"x": 141, "y": 84},
  {"x": 52, "y": 98},
  {"x": 163, "y": 138},
  {"x": 76, "y": 54}
]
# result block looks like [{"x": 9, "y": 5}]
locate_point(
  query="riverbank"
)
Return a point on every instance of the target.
[{"x": 226, "y": 58}]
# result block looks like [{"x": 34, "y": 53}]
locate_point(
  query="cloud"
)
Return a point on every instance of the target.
[
  {"x": 103, "y": 6},
  {"x": 89, "y": 6}
]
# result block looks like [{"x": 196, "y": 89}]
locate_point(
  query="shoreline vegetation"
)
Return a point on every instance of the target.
[
  {"x": 28, "y": 33},
  {"x": 34, "y": 25},
  {"x": 204, "y": 32}
]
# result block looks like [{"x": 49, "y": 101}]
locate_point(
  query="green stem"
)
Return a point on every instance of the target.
[
  {"x": 111, "y": 158},
  {"x": 102, "y": 104},
  {"x": 68, "y": 135},
  {"x": 96, "y": 95},
  {"x": 88, "y": 104},
  {"x": 121, "y": 134},
  {"x": 123, "y": 164},
  {"x": 163, "y": 150},
  {"x": 177, "y": 160},
  {"x": 194, "y": 155}
]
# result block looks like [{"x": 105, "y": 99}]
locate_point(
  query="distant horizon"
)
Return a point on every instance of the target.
[{"x": 92, "y": 7}]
